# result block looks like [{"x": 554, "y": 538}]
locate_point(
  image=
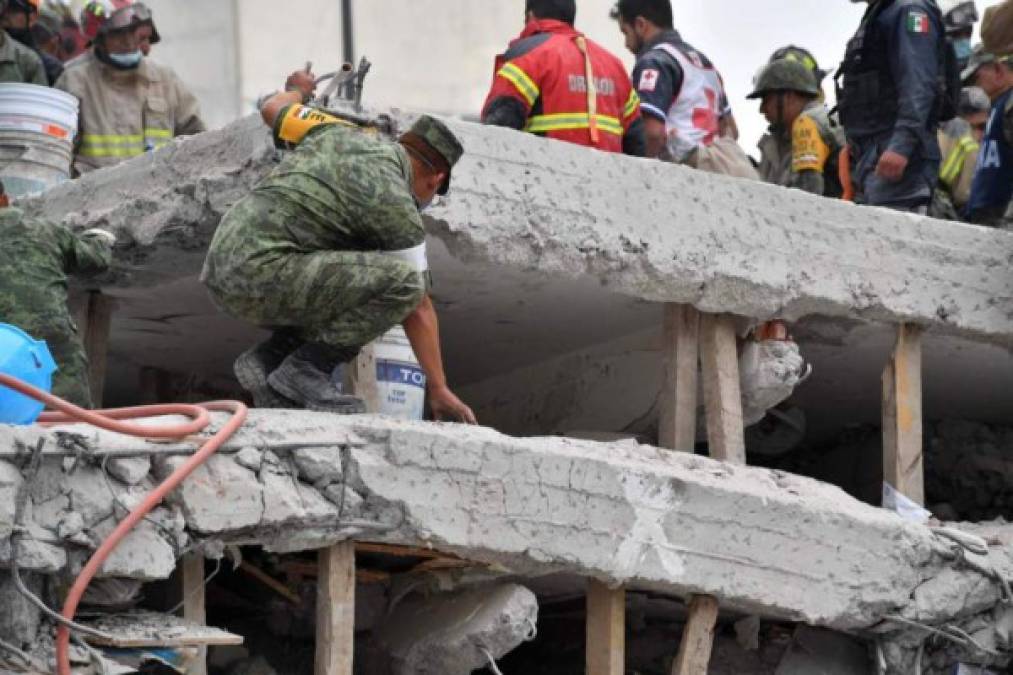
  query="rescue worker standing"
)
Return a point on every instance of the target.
[
  {"x": 541, "y": 85},
  {"x": 329, "y": 253},
  {"x": 890, "y": 102},
  {"x": 801, "y": 149},
  {"x": 687, "y": 117},
  {"x": 37, "y": 257},
  {"x": 991, "y": 201},
  {"x": 129, "y": 104},
  {"x": 18, "y": 63},
  {"x": 959, "y": 143}
]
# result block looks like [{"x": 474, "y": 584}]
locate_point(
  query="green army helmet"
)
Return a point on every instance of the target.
[
  {"x": 785, "y": 75},
  {"x": 803, "y": 56},
  {"x": 435, "y": 144}
]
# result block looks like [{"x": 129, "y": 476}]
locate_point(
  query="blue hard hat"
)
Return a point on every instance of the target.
[{"x": 28, "y": 360}]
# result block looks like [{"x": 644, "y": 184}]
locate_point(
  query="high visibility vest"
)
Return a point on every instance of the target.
[{"x": 546, "y": 71}]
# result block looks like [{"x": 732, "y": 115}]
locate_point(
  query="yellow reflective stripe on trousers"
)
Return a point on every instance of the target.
[
  {"x": 540, "y": 124},
  {"x": 524, "y": 84},
  {"x": 632, "y": 104},
  {"x": 953, "y": 165}
]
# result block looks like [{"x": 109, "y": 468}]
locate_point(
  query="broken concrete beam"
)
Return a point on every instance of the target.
[
  {"x": 449, "y": 634},
  {"x": 523, "y": 203},
  {"x": 764, "y": 542}
]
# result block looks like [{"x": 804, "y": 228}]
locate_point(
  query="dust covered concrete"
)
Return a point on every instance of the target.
[{"x": 765, "y": 542}]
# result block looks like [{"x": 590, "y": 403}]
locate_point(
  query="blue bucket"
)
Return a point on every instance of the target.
[{"x": 30, "y": 361}]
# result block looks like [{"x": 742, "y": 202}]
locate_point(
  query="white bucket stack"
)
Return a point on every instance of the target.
[{"x": 37, "y": 129}]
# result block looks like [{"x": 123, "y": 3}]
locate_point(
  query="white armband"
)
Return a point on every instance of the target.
[{"x": 416, "y": 257}]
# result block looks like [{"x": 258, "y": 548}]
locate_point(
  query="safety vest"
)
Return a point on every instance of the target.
[
  {"x": 125, "y": 113},
  {"x": 694, "y": 118},
  {"x": 993, "y": 181},
  {"x": 955, "y": 161},
  {"x": 547, "y": 71}
]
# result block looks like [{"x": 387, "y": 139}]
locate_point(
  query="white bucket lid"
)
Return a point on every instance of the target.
[{"x": 26, "y": 102}]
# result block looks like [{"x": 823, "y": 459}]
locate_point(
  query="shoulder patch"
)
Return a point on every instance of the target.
[
  {"x": 649, "y": 79},
  {"x": 917, "y": 22}
]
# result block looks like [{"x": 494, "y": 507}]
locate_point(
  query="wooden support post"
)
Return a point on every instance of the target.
[
  {"x": 902, "y": 415},
  {"x": 194, "y": 608},
  {"x": 606, "y": 629},
  {"x": 97, "y": 316},
  {"x": 681, "y": 337},
  {"x": 723, "y": 397},
  {"x": 336, "y": 610},
  {"x": 697, "y": 638}
]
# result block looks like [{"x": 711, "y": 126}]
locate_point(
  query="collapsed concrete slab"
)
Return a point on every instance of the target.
[
  {"x": 765, "y": 542},
  {"x": 545, "y": 249}
]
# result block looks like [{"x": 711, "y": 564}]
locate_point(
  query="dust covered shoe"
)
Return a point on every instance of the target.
[
  {"x": 252, "y": 368},
  {"x": 310, "y": 387}
]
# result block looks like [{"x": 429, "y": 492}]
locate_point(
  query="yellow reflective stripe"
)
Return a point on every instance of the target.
[
  {"x": 954, "y": 163},
  {"x": 524, "y": 84},
  {"x": 632, "y": 104},
  {"x": 112, "y": 138},
  {"x": 540, "y": 124},
  {"x": 134, "y": 151},
  {"x": 158, "y": 133}
]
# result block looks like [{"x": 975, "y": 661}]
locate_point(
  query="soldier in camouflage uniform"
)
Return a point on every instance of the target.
[
  {"x": 803, "y": 145},
  {"x": 35, "y": 258},
  {"x": 328, "y": 252}
]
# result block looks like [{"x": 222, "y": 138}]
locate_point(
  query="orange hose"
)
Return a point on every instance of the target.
[{"x": 108, "y": 420}]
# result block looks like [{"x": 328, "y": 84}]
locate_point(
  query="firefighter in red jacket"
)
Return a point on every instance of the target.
[{"x": 542, "y": 86}]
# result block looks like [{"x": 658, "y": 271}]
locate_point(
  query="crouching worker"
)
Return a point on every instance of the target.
[
  {"x": 328, "y": 252},
  {"x": 35, "y": 258}
]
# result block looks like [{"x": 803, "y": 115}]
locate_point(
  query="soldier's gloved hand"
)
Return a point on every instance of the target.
[
  {"x": 108, "y": 236},
  {"x": 302, "y": 82},
  {"x": 891, "y": 166},
  {"x": 446, "y": 406}
]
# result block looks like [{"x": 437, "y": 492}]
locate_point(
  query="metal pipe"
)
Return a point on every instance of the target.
[{"x": 347, "y": 33}]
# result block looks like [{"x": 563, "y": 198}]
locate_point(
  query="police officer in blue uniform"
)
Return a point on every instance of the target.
[
  {"x": 992, "y": 191},
  {"x": 890, "y": 93}
]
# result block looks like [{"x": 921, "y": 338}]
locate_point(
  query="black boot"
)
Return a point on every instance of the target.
[
  {"x": 255, "y": 364},
  {"x": 305, "y": 378}
]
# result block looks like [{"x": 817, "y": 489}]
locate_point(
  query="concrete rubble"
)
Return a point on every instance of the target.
[{"x": 764, "y": 542}]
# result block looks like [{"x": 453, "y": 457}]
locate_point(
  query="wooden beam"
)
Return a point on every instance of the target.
[
  {"x": 606, "y": 629},
  {"x": 681, "y": 337},
  {"x": 98, "y": 315},
  {"x": 697, "y": 637},
  {"x": 194, "y": 607},
  {"x": 902, "y": 415},
  {"x": 722, "y": 395},
  {"x": 336, "y": 610}
]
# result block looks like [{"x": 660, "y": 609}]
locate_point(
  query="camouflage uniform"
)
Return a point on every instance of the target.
[
  {"x": 37, "y": 257},
  {"x": 309, "y": 250},
  {"x": 19, "y": 63}
]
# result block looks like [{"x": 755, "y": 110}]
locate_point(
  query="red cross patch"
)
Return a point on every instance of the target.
[{"x": 649, "y": 80}]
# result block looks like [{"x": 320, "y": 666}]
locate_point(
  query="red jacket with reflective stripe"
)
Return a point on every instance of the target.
[{"x": 545, "y": 71}]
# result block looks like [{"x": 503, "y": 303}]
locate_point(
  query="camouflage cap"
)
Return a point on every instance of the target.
[
  {"x": 785, "y": 75},
  {"x": 439, "y": 139}
]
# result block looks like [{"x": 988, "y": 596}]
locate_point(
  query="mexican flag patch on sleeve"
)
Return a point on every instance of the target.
[{"x": 918, "y": 22}]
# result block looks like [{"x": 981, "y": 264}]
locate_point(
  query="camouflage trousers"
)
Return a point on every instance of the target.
[
  {"x": 343, "y": 299},
  {"x": 54, "y": 325}
]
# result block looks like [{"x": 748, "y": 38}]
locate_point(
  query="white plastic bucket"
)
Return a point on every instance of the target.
[
  {"x": 37, "y": 129},
  {"x": 401, "y": 384}
]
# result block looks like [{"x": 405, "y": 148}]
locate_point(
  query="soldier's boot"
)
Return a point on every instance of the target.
[
  {"x": 305, "y": 378},
  {"x": 255, "y": 364}
]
